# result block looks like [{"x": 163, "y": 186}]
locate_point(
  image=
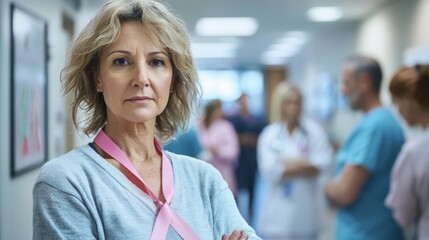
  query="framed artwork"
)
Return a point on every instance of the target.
[{"x": 29, "y": 86}]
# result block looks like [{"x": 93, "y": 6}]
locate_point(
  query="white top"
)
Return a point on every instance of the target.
[
  {"x": 409, "y": 189},
  {"x": 294, "y": 207}
]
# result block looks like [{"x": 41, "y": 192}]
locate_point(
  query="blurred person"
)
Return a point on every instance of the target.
[
  {"x": 186, "y": 143},
  {"x": 248, "y": 127},
  {"x": 293, "y": 152},
  {"x": 409, "y": 192},
  {"x": 365, "y": 160},
  {"x": 131, "y": 70},
  {"x": 220, "y": 142}
]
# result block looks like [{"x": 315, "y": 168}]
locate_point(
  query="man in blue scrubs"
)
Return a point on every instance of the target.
[{"x": 366, "y": 159}]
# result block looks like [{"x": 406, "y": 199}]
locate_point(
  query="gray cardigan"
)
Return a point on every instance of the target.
[{"x": 81, "y": 196}]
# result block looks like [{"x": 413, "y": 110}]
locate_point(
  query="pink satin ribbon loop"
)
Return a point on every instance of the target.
[{"x": 165, "y": 217}]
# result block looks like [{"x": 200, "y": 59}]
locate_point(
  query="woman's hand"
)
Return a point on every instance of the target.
[{"x": 236, "y": 235}]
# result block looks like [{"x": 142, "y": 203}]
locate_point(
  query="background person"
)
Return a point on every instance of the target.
[
  {"x": 409, "y": 192},
  {"x": 292, "y": 153},
  {"x": 186, "y": 143},
  {"x": 219, "y": 139},
  {"x": 248, "y": 127},
  {"x": 365, "y": 160},
  {"x": 131, "y": 70}
]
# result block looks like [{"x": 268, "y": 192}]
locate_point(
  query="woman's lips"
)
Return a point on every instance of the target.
[{"x": 139, "y": 99}]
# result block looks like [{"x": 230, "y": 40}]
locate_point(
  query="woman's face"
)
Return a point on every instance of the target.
[
  {"x": 217, "y": 113},
  {"x": 291, "y": 107},
  {"x": 135, "y": 76},
  {"x": 408, "y": 108}
]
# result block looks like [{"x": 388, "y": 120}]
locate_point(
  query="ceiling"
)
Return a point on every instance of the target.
[{"x": 275, "y": 18}]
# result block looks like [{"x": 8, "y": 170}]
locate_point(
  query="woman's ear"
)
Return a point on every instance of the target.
[
  {"x": 98, "y": 83},
  {"x": 173, "y": 82},
  {"x": 171, "y": 89}
]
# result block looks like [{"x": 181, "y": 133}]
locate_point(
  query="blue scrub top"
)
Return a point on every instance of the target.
[{"x": 374, "y": 144}]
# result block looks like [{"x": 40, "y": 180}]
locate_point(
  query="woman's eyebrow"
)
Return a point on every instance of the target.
[
  {"x": 157, "y": 52},
  {"x": 128, "y": 52},
  {"x": 119, "y": 51}
]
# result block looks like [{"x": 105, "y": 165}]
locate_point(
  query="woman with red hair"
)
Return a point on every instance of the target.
[{"x": 409, "y": 192}]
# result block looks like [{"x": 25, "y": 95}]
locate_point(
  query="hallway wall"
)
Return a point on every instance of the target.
[
  {"x": 16, "y": 194},
  {"x": 389, "y": 32},
  {"x": 419, "y": 33}
]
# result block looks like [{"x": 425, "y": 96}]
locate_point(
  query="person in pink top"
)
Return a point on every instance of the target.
[
  {"x": 220, "y": 141},
  {"x": 409, "y": 192}
]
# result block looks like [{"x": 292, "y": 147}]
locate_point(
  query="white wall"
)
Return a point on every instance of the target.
[
  {"x": 16, "y": 194},
  {"x": 3, "y": 126},
  {"x": 420, "y": 18},
  {"x": 88, "y": 11},
  {"x": 323, "y": 55},
  {"x": 386, "y": 34},
  {"x": 325, "y": 52}
]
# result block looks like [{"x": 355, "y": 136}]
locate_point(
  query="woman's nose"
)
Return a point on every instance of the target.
[{"x": 141, "y": 78}]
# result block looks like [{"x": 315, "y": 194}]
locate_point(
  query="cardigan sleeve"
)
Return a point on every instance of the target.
[
  {"x": 60, "y": 215},
  {"x": 226, "y": 216}
]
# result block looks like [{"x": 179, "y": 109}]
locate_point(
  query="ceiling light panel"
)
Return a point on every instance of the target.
[
  {"x": 232, "y": 26},
  {"x": 284, "y": 48},
  {"x": 324, "y": 14}
]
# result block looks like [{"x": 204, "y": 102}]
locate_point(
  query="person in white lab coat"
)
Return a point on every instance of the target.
[{"x": 293, "y": 155}]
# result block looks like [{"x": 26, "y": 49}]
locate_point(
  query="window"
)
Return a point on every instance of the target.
[{"x": 228, "y": 85}]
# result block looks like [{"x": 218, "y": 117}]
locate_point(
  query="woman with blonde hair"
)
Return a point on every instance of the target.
[
  {"x": 409, "y": 191},
  {"x": 131, "y": 71},
  {"x": 292, "y": 153}
]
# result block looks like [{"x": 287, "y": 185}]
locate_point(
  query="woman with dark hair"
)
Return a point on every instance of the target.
[
  {"x": 220, "y": 142},
  {"x": 409, "y": 192}
]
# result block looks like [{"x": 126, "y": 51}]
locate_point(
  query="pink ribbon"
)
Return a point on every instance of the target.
[{"x": 166, "y": 216}]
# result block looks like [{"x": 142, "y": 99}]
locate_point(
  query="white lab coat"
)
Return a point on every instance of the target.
[{"x": 294, "y": 208}]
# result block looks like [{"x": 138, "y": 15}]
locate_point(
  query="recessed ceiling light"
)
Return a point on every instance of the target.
[
  {"x": 284, "y": 47},
  {"x": 231, "y": 26},
  {"x": 278, "y": 54},
  {"x": 269, "y": 60},
  {"x": 324, "y": 14},
  {"x": 293, "y": 39}
]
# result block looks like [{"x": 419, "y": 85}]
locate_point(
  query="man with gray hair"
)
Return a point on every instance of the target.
[{"x": 365, "y": 161}]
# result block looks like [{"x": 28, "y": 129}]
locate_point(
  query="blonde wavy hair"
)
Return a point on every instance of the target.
[
  {"x": 282, "y": 91},
  {"x": 83, "y": 60}
]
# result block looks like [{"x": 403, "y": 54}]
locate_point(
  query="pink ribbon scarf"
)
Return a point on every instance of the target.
[{"x": 166, "y": 216}]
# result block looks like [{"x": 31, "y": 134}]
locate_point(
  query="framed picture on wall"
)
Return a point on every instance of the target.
[{"x": 29, "y": 86}]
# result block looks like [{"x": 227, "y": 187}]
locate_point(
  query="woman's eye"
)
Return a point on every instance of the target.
[
  {"x": 157, "y": 62},
  {"x": 121, "y": 61}
]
